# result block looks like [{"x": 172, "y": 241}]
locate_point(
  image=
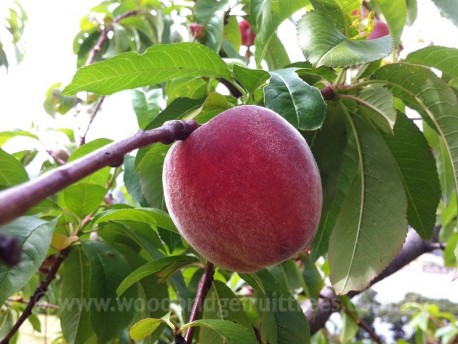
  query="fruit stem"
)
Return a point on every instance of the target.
[{"x": 203, "y": 288}]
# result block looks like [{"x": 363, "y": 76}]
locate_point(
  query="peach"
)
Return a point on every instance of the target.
[
  {"x": 244, "y": 189},
  {"x": 380, "y": 30}
]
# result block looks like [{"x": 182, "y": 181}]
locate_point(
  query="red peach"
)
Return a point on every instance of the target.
[
  {"x": 247, "y": 33},
  {"x": 244, "y": 189},
  {"x": 380, "y": 30}
]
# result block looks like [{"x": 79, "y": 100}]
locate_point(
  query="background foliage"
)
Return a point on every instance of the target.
[{"x": 122, "y": 256}]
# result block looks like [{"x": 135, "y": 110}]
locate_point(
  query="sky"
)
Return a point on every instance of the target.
[{"x": 49, "y": 59}]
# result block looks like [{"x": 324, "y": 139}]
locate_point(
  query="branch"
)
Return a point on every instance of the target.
[
  {"x": 328, "y": 303},
  {"x": 362, "y": 325},
  {"x": 203, "y": 287},
  {"x": 37, "y": 305},
  {"x": 17, "y": 200},
  {"x": 37, "y": 295},
  {"x": 96, "y": 111}
]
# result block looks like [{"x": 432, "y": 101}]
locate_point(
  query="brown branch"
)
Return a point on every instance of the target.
[
  {"x": 361, "y": 324},
  {"x": 37, "y": 295},
  {"x": 203, "y": 287},
  {"x": 328, "y": 303},
  {"x": 17, "y": 200}
]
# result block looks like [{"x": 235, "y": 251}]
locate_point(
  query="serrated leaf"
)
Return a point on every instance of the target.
[
  {"x": 250, "y": 79},
  {"x": 108, "y": 269},
  {"x": 150, "y": 216},
  {"x": 417, "y": 167},
  {"x": 193, "y": 88},
  {"x": 11, "y": 170},
  {"x": 291, "y": 97},
  {"x": 212, "y": 106},
  {"x": 395, "y": 13},
  {"x": 230, "y": 332},
  {"x": 423, "y": 91},
  {"x": 324, "y": 45},
  {"x": 210, "y": 13},
  {"x": 171, "y": 263},
  {"x": 74, "y": 320},
  {"x": 371, "y": 226},
  {"x": 377, "y": 103},
  {"x": 158, "y": 64},
  {"x": 270, "y": 14},
  {"x": 145, "y": 328},
  {"x": 449, "y": 9},
  {"x": 34, "y": 237},
  {"x": 443, "y": 58}
]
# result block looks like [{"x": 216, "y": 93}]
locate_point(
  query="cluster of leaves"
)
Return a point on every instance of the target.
[
  {"x": 13, "y": 28},
  {"x": 127, "y": 262}
]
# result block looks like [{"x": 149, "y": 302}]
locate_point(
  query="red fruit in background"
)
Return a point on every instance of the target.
[
  {"x": 244, "y": 189},
  {"x": 247, "y": 33},
  {"x": 197, "y": 31},
  {"x": 380, "y": 30}
]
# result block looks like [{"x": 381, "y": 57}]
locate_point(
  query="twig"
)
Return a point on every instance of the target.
[
  {"x": 91, "y": 59},
  {"x": 94, "y": 114},
  {"x": 37, "y": 295},
  {"x": 365, "y": 327},
  {"x": 328, "y": 303},
  {"x": 104, "y": 35},
  {"x": 37, "y": 305},
  {"x": 203, "y": 287},
  {"x": 17, "y": 200}
]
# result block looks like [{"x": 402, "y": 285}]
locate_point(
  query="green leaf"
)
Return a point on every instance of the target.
[
  {"x": 423, "y": 91},
  {"x": 276, "y": 55},
  {"x": 283, "y": 320},
  {"x": 377, "y": 103},
  {"x": 146, "y": 105},
  {"x": 210, "y": 13},
  {"x": 150, "y": 216},
  {"x": 269, "y": 16},
  {"x": 11, "y": 170},
  {"x": 449, "y": 9},
  {"x": 395, "y": 13},
  {"x": 418, "y": 171},
  {"x": 101, "y": 176},
  {"x": 74, "y": 319},
  {"x": 324, "y": 45},
  {"x": 159, "y": 63},
  {"x": 108, "y": 270},
  {"x": 232, "y": 33},
  {"x": 177, "y": 109},
  {"x": 165, "y": 265},
  {"x": 443, "y": 164},
  {"x": 213, "y": 105},
  {"x": 442, "y": 58},
  {"x": 230, "y": 332},
  {"x": 131, "y": 179},
  {"x": 145, "y": 328},
  {"x": 291, "y": 97},
  {"x": 82, "y": 199},
  {"x": 191, "y": 87},
  {"x": 411, "y": 11},
  {"x": 150, "y": 169},
  {"x": 329, "y": 149},
  {"x": 340, "y": 12},
  {"x": 250, "y": 79},
  {"x": 7, "y": 135},
  {"x": 34, "y": 237},
  {"x": 371, "y": 226},
  {"x": 221, "y": 303}
]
